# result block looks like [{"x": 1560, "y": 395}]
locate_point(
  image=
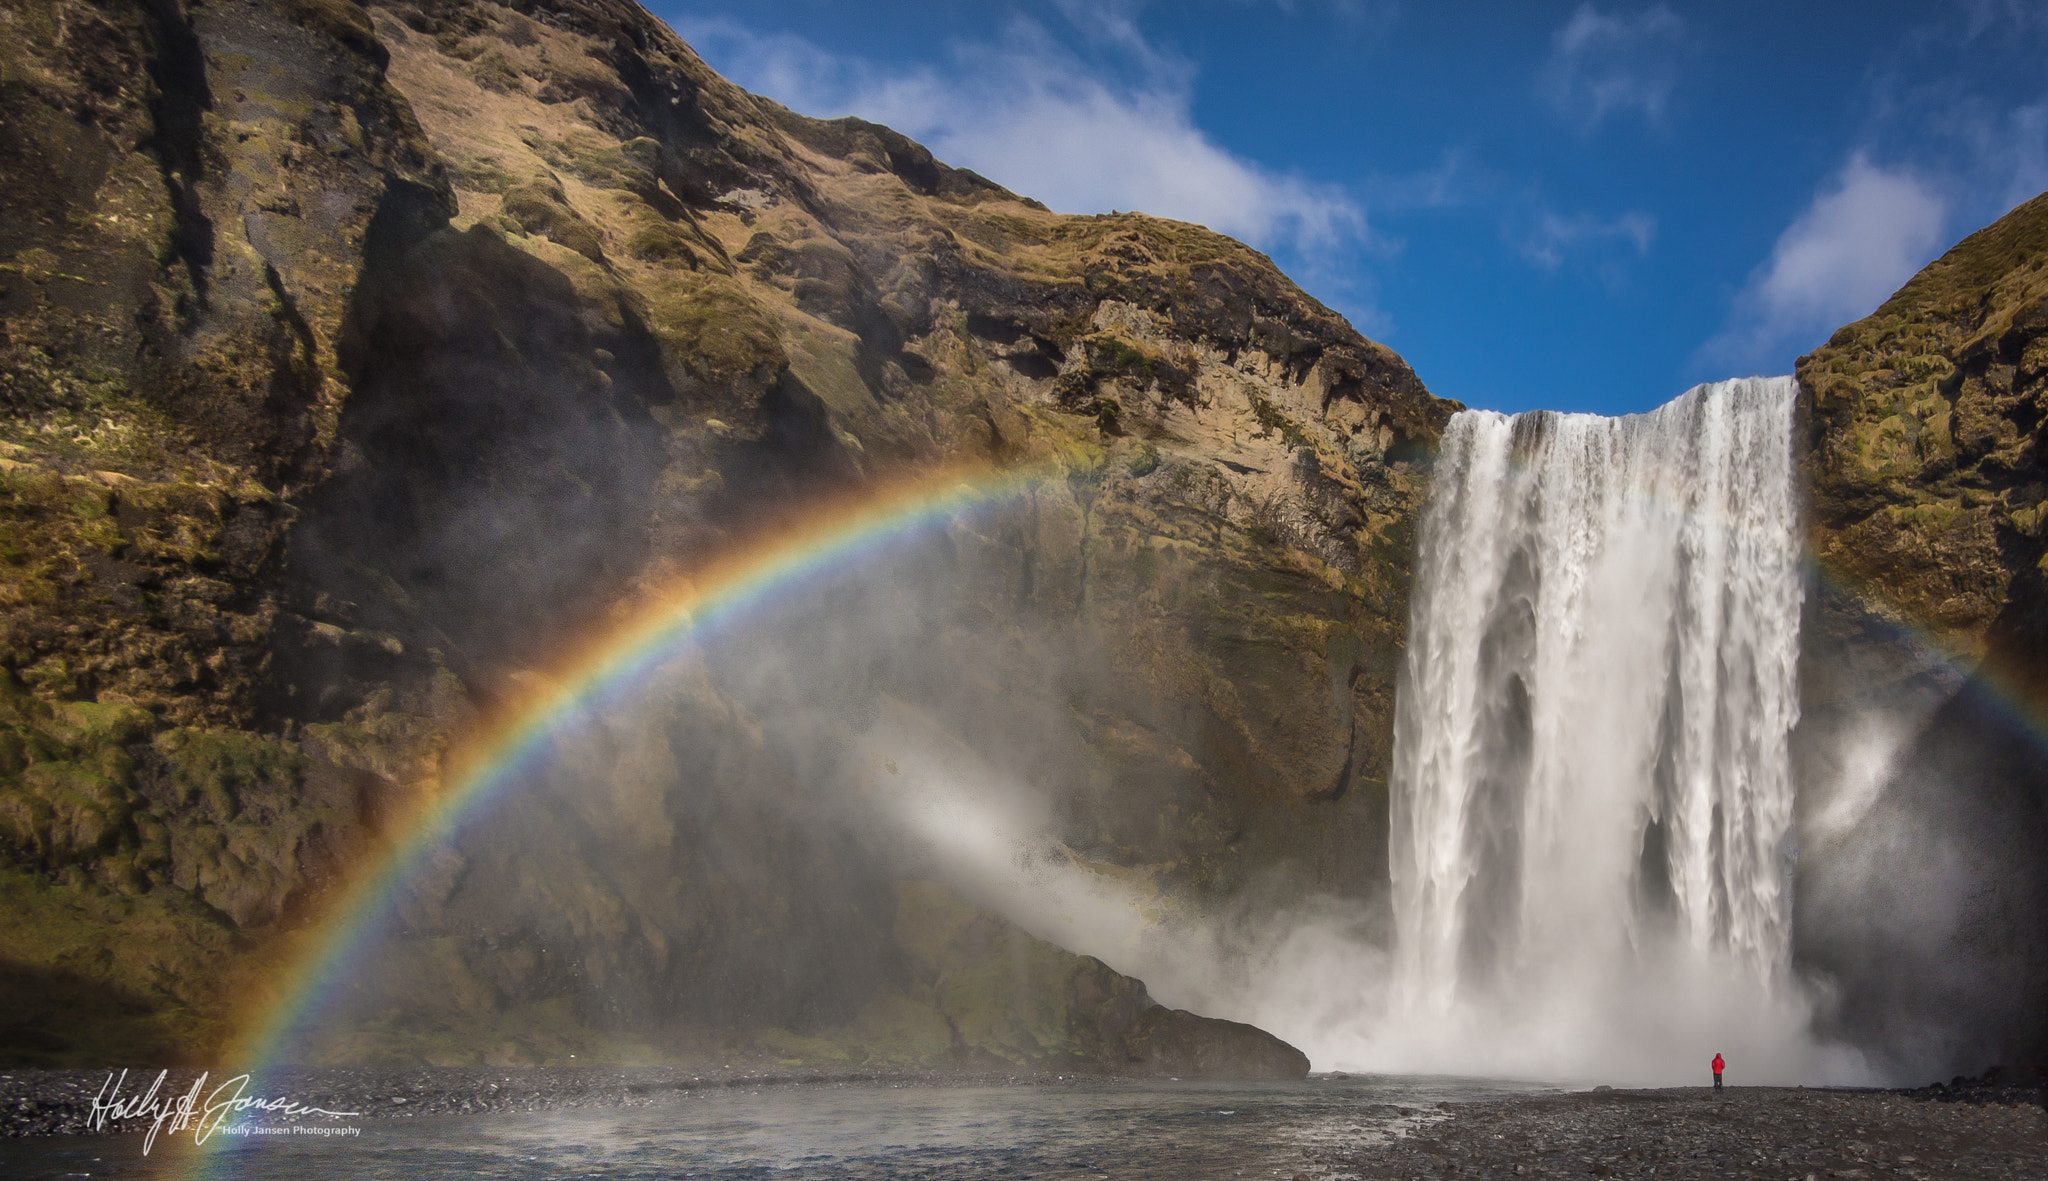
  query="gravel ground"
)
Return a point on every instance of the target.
[
  {"x": 59, "y": 1102},
  {"x": 1679, "y": 1134}
]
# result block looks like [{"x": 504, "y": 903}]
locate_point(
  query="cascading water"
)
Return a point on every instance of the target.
[{"x": 1592, "y": 793}]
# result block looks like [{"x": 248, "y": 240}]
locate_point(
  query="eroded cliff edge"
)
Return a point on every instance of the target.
[{"x": 353, "y": 358}]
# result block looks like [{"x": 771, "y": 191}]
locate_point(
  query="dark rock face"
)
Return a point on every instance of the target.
[
  {"x": 1922, "y": 890},
  {"x": 1179, "y": 1044},
  {"x": 385, "y": 297},
  {"x": 482, "y": 434},
  {"x": 186, "y": 194}
]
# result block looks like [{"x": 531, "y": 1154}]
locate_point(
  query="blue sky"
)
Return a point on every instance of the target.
[{"x": 1573, "y": 206}]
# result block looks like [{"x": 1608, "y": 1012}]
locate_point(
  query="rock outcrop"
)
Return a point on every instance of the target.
[{"x": 354, "y": 360}]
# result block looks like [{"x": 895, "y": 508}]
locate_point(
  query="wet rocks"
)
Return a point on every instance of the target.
[
  {"x": 1180, "y": 1044},
  {"x": 2001, "y": 1084}
]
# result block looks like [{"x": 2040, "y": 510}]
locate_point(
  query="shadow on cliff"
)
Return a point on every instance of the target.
[
  {"x": 724, "y": 863},
  {"x": 1922, "y": 899},
  {"x": 498, "y": 480},
  {"x": 54, "y": 1018},
  {"x": 495, "y": 469}
]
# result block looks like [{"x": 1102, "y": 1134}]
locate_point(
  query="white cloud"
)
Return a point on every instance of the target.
[
  {"x": 1030, "y": 113},
  {"x": 2028, "y": 145},
  {"x": 2000, "y": 157},
  {"x": 1601, "y": 65},
  {"x": 1373, "y": 18},
  {"x": 2001, "y": 17},
  {"x": 1555, "y": 237},
  {"x": 1963, "y": 145},
  {"x": 1457, "y": 180},
  {"x": 1962, "y": 99},
  {"x": 1860, "y": 239}
]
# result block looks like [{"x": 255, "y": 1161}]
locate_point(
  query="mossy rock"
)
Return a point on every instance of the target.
[
  {"x": 540, "y": 207},
  {"x": 492, "y": 70},
  {"x": 1924, "y": 448},
  {"x": 217, "y": 769},
  {"x": 603, "y": 162},
  {"x": 91, "y": 978},
  {"x": 660, "y": 242},
  {"x": 67, "y": 780},
  {"x": 711, "y": 330}
]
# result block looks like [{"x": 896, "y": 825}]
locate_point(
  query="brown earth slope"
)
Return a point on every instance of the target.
[{"x": 353, "y": 359}]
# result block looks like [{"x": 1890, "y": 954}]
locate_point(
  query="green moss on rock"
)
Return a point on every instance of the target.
[
  {"x": 94, "y": 978},
  {"x": 540, "y": 207},
  {"x": 711, "y": 331},
  {"x": 732, "y": 309}
]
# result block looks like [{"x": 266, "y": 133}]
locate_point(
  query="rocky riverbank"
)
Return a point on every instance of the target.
[
  {"x": 1974, "y": 1129},
  {"x": 1681, "y": 1133}
]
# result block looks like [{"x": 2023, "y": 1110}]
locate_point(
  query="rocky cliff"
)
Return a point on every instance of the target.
[
  {"x": 1926, "y": 463},
  {"x": 1923, "y": 885},
  {"x": 355, "y": 359}
]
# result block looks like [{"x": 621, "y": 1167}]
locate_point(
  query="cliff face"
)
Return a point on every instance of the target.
[
  {"x": 187, "y": 194},
  {"x": 353, "y": 360},
  {"x": 1923, "y": 887},
  {"x": 1926, "y": 466}
]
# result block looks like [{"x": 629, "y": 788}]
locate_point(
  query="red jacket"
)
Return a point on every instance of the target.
[{"x": 1718, "y": 1064}]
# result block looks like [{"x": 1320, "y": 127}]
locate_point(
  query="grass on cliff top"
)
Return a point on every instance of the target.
[
  {"x": 1887, "y": 384},
  {"x": 1969, "y": 295},
  {"x": 1105, "y": 253}
]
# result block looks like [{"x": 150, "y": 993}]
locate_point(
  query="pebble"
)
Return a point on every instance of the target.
[{"x": 1684, "y": 1134}]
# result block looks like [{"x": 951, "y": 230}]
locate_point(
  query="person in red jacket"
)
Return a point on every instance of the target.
[{"x": 1718, "y": 1064}]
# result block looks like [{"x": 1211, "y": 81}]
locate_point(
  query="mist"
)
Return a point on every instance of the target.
[
  {"x": 1920, "y": 899},
  {"x": 725, "y": 853}
]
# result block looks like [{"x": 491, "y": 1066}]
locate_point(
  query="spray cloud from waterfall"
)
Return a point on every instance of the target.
[
  {"x": 1592, "y": 838},
  {"x": 1593, "y": 825}
]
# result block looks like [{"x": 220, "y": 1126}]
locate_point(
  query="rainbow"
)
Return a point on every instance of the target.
[
  {"x": 1995, "y": 679},
  {"x": 603, "y": 669},
  {"x": 616, "y": 661}
]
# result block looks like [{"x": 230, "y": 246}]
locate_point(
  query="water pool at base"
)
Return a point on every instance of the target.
[{"x": 1119, "y": 1129}]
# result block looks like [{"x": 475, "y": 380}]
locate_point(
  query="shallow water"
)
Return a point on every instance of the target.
[{"x": 1118, "y": 1129}]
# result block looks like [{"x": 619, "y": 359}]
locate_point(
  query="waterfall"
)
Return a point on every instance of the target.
[{"x": 1592, "y": 794}]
